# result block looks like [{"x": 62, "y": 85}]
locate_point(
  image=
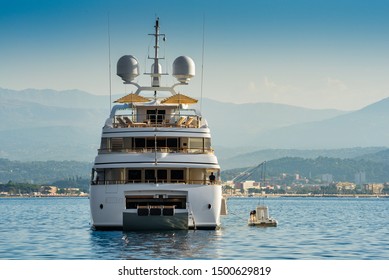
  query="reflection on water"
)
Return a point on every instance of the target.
[
  {"x": 179, "y": 244},
  {"x": 309, "y": 228}
]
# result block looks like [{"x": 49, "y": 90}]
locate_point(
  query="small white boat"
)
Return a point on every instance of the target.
[{"x": 260, "y": 217}]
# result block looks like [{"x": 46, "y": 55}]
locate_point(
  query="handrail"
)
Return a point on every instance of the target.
[
  {"x": 157, "y": 120},
  {"x": 186, "y": 182},
  {"x": 158, "y": 150}
]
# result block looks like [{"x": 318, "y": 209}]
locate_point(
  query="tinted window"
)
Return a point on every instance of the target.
[
  {"x": 177, "y": 175},
  {"x": 149, "y": 175},
  {"x": 162, "y": 175},
  {"x": 134, "y": 175},
  {"x": 140, "y": 143}
]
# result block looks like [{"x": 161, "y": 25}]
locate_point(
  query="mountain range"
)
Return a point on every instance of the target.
[
  {"x": 365, "y": 127},
  {"x": 66, "y": 125},
  {"x": 244, "y": 160}
]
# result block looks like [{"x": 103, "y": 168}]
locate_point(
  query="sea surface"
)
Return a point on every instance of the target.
[{"x": 309, "y": 228}]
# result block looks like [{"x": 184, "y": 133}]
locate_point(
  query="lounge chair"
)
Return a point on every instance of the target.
[
  {"x": 181, "y": 121},
  {"x": 189, "y": 122},
  {"x": 121, "y": 122},
  {"x": 134, "y": 124}
]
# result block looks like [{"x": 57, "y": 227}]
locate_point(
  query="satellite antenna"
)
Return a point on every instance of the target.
[{"x": 183, "y": 69}]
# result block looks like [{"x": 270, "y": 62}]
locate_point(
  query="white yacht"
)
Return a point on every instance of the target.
[{"x": 155, "y": 168}]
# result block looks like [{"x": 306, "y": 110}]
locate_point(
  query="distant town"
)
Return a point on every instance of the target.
[
  {"x": 30, "y": 190},
  {"x": 294, "y": 184},
  {"x": 70, "y": 187},
  {"x": 282, "y": 185},
  {"x": 363, "y": 175}
]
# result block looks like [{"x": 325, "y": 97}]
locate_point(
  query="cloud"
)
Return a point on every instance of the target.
[
  {"x": 266, "y": 90},
  {"x": 252, "y": 87},
  {"x": 270, "y": 85}
]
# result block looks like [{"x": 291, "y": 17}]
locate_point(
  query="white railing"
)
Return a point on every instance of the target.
[{"x": 157, "y": 120}]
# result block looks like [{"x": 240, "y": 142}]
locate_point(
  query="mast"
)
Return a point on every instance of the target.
[
  {"x": 183, "y": 69},
  {"x": 156, "y": 70}
]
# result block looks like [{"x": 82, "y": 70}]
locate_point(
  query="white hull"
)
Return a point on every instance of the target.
[{"x": 108, "y": 203}]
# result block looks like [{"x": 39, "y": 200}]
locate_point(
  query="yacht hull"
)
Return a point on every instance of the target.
[{"x": 155, "y": 206}]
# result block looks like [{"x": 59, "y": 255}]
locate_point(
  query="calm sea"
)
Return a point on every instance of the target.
[{"x": 309, "y": 228}]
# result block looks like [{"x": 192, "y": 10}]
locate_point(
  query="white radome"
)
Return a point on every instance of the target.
[
  {"x": 128, "y": 68},
  {"x": 183, "y": 68}
]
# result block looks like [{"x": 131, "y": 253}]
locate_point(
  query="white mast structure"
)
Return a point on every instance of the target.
[{"x": 183, "y": 69}]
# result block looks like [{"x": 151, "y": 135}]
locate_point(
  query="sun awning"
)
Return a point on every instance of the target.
[
  {"x": 131, "y": 98},
  {"x": 179, "y": 99}
]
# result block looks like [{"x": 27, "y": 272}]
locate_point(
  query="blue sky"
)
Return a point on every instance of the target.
[{"x": 316, "y": 54}]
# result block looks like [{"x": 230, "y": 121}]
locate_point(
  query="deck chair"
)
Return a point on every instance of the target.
[
  {"x": 121, "y": 122},
  {"x": 181, "y": 121},
  {"x": 134, "y": 124},
  {"x": 189, "y": 122}
]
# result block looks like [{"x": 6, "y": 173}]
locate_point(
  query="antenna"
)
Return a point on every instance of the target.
[
  {"x": 202, "y": 66},
  {"x": 109, "y": 65},
  {"x": 156, "y": 66},
  {"x": 128, "y": 69}
]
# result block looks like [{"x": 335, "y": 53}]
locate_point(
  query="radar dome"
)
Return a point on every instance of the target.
[
  {"x": 127, "y": 68},
  {"x": 159, "y": 68},
  {"x": 183, "y": 69}
]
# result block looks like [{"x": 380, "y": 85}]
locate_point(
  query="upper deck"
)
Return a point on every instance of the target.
[
  {"x": 157, "y": 120},
  {"x": 154, "y": 114}
]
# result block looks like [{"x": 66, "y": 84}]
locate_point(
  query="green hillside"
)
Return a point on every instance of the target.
[
  {"x": 340, "y": 169},
  {"x": 43, "y": 172}
]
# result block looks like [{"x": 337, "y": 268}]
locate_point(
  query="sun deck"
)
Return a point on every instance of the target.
[{"x": 160, "y": 119}]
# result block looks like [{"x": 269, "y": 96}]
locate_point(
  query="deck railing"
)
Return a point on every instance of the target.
[
  {"x": 157, "y": 120},
  {"x": 158, "y": 150},
  {"x": 158, "y": 181}
]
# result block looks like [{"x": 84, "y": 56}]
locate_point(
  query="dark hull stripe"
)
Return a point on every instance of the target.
[{"x": 120, "y": 228}]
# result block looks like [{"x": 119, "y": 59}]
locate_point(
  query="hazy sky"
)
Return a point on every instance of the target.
[{"x": 316, "y": 54}]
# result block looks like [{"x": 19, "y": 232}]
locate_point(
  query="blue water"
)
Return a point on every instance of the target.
[{"x": 309, "y": 228}]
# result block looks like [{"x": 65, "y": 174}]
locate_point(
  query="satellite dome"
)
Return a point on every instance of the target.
[
  {"x": 183, "y": 69},
  {"x": 127, "y": 68},
  {"x": 159, "y": 68}
]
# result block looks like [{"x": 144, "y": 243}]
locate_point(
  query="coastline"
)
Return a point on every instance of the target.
[
  {"x": 225, "y": 196},
  {"x": 310, "y": 195},
  {"x": 45, "y": 196}
]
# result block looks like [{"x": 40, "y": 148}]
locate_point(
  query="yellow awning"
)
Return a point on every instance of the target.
[
  {"x": 179, "y": 99},
  {"x": 131, "y": 98}
]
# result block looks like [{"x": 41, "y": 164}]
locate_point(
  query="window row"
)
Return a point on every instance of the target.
[
  {"x": 154, "y": 175},
  {"x": 165, "y": 144}
]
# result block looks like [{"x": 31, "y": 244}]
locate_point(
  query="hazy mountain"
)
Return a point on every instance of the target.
[
  {"x": 365, "y": 127},
  {"x": 66, "y": 125},
  {"x": 53, "y": 98},
  {"x": 50, "y": 143},
  {"x": 380, "y": 157},
  {"x": 50, "y": 125},
  {"x": 235, "y": 125},
  {"x": 254, "y": 158}
]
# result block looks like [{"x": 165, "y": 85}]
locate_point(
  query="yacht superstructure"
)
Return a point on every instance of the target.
[{"x": 155, "y": 168}]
